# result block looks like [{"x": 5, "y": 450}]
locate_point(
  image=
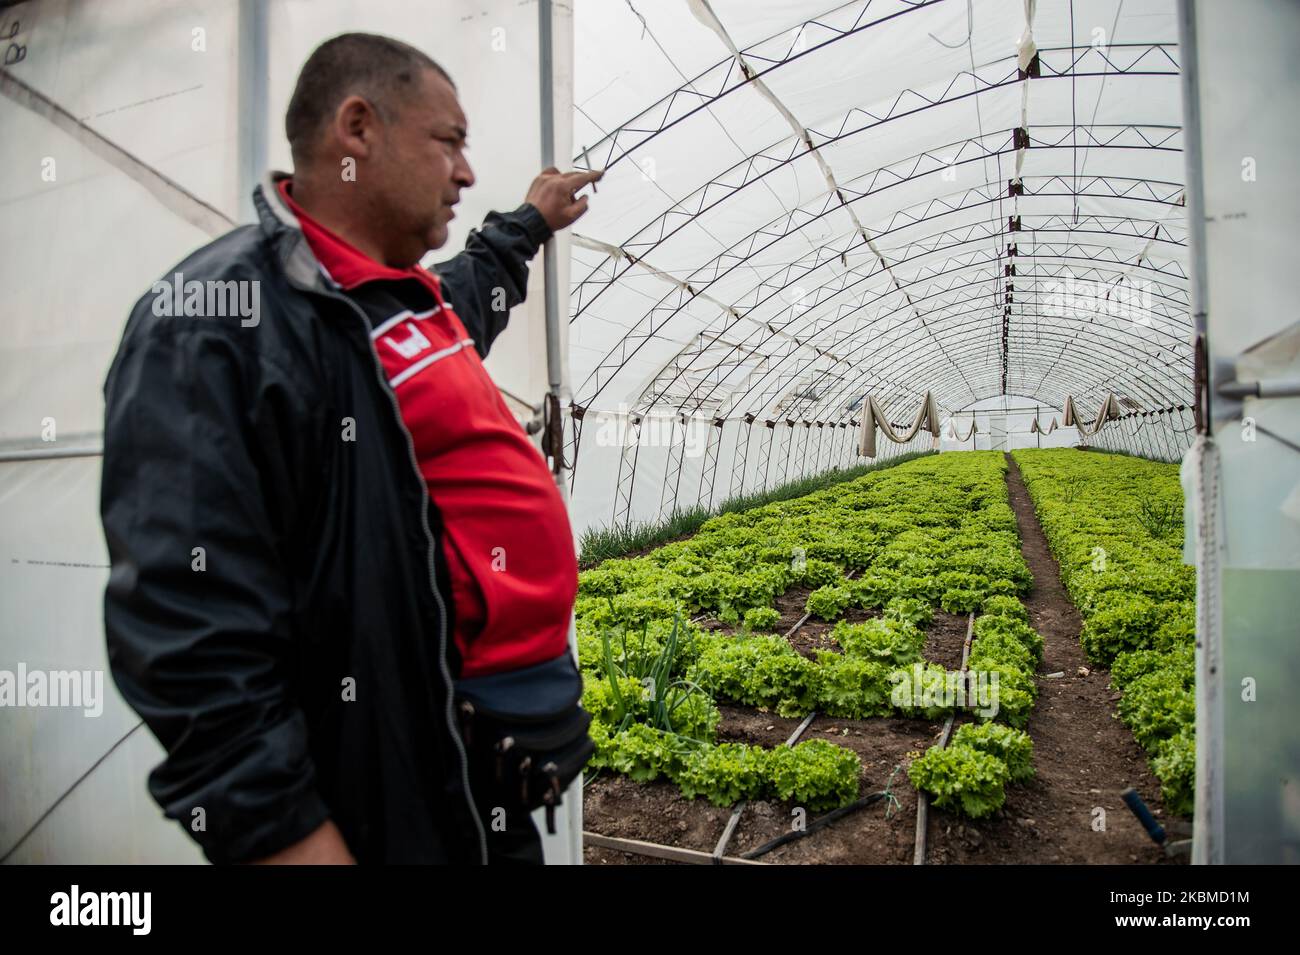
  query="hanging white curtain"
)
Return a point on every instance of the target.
[{"x": 873, "y": 417}]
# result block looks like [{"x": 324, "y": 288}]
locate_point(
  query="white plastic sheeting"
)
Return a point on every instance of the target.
[
  {"x": 1243, "y": 482},
  {"x": 808, "y": 202},
  {"x": 133, "y": 131}
]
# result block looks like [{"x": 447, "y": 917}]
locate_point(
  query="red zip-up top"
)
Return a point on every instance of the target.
[{"x": 506, "y": 534}]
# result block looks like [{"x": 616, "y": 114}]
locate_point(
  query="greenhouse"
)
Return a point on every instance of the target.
[{"x": 920, "y": 382}]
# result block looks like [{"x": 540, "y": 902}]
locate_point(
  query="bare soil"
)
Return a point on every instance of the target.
[{"x": 944, "y": 638}]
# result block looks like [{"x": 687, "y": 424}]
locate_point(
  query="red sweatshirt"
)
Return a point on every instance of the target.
[{"x": 506, "y": 534}]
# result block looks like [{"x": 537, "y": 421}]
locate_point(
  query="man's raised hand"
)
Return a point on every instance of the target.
[{"x": 554, "y": 193}]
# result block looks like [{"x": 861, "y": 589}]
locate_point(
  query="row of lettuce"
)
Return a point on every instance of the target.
[
  {"x": 1114, "y": 524},
  {"x": 933, "y": 531},
  {"x": 971, "y": 773}
]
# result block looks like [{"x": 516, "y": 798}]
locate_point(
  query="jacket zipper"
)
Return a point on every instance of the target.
[{"x": 433, "y": 583}]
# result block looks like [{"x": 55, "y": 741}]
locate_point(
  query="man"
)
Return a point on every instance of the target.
[{"x": 322, "y": 514}]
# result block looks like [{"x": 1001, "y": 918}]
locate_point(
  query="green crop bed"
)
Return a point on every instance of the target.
[
  {"x": 933, "y": 532},
  {"x": 1115, "y": 525}
]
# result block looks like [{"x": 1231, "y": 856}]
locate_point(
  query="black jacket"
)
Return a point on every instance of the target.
[{"x": 278, "y": 611}]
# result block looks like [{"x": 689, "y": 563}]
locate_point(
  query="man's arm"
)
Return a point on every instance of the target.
[
  {"x": 325, "y": 846},
  {"x": 198, "y": 607},
  {"x": 491, "y": 276}
]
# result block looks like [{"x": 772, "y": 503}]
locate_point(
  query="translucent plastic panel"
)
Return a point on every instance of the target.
[
  {"x": 172, "y": 103},
  {"x": 1105, "y": 22},
  {"x": 52, "y": 595},
  {"x": 628, "y": 56},
  {"x": 870, "y": 68},
  {"x": 864, "y": 145},
  {"x": 1085, "y": 162},
  {"x": 69, "y": 206},
  {"x": 939, "y": 236}
]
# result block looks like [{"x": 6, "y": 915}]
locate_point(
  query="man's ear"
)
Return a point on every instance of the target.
[{"x": 355, "y": 123}]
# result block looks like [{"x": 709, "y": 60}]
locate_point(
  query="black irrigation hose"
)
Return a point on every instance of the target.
[{"x": 816, "y": 824}]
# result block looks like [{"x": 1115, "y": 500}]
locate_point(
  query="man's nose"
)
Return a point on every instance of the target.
[{"x": 464, "y": 174}]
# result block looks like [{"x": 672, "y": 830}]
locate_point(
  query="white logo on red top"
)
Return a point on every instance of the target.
[{"x": 412, "y": 345}]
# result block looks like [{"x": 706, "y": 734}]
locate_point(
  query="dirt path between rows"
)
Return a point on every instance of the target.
[{"x": 1084, "y": 756}]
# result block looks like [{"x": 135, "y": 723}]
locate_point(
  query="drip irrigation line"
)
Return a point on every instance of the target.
[
  {"x": 808, "y": 613},
  {"x": 922, "y": 802},
  {"x": 818, "y": 823},
  {"x": 802, "y": 620},
  {"x": 734, "y": 822}
]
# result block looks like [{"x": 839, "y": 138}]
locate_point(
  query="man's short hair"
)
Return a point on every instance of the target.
[{"x": 379, "y": 68}]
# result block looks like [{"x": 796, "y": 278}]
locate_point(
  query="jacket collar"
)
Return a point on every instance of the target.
[
  {"x": 284, "y": 232},
  {"x": 301, "y": 265}
]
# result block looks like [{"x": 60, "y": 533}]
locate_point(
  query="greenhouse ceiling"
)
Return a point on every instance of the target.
[{"x": 805, "y": 205}]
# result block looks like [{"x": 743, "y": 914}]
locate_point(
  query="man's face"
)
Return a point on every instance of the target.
[{"x": 422, "y": 168}]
